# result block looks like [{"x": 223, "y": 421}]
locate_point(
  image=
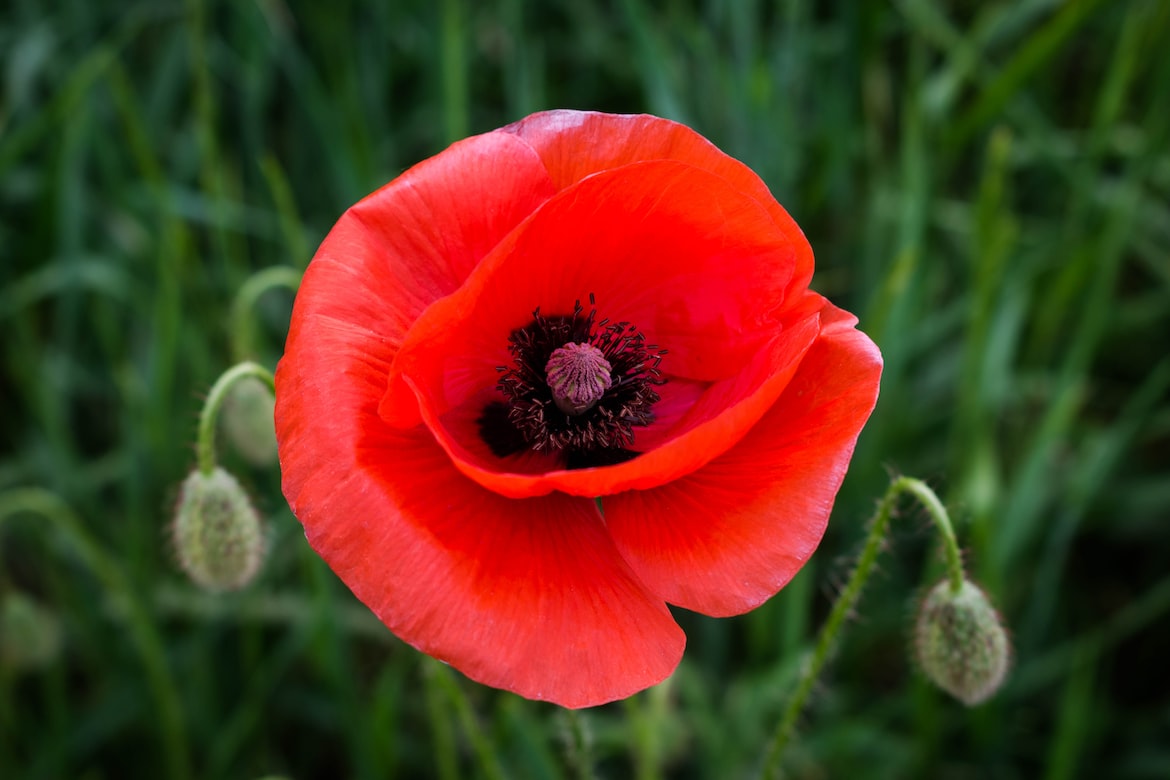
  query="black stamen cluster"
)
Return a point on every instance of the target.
[{"x": 530, "y": 419}]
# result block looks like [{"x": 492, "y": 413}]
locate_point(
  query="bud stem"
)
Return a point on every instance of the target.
[
  {"x": 205, "y": 443},
  {"x": 850, "y": 595},
  {"x": 942, "y": 522},
  {"x": 242, "y": 328}
]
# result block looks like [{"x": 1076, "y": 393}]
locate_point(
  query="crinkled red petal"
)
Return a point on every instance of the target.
[
  {"x": 408, "y": 244},
  {"x": 530, "y": 596},
  {"x": 576, "y": 144},
  {"x": 700, "y": 268},
  {"x": 727, "y": 537}
]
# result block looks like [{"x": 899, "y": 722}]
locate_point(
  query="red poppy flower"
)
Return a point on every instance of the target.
[{"x": 578, "y": 306}]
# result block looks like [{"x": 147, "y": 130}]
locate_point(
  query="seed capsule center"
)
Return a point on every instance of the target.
[
  {"x": 578, "y": 376},
  {"x": 577, "y": 389}
]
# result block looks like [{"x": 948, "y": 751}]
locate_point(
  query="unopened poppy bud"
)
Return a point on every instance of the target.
[
  {"x": 247, "y": 421},
  {"x": 217, "y": 531},
  {"x": 578, "y": 376},
  {"x": 961, "y": 644},
  {"x": 30, "y": 635}
]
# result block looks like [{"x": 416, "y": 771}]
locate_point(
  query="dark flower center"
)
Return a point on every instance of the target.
[{"x": 577, "y": 387}]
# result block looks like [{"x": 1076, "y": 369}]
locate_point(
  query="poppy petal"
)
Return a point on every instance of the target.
[
  {"x": 530, "y": 595},
  {"x": 404, "y": 246},
  {"x": 695, "y": 264},
  {"x": 724, "y": 539},
  {"x": 576, "y": 144}
]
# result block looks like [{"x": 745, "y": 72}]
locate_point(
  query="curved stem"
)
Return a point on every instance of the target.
[
  {"x": 942, "y": 522},
  {"x": 850, "y": 595},
  {"x": 242, "y": 330},
  {"x": 205, "y": 441},
  {"x": 146, "y": 640}
]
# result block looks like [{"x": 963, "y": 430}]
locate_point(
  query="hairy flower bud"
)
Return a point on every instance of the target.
[
  {"x": 960, "y": 642},
  {"x": 247, "y": 421},
  {"x": 30, "y": 634},
  {"x": 217, "y": 531}
]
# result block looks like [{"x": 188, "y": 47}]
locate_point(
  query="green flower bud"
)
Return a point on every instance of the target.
[
  {"x": 247, "y": 421},
  {"x": 960, "y": 642},
  {"x": 30, "y": 635},
  {"x": 217, "y": 531}
]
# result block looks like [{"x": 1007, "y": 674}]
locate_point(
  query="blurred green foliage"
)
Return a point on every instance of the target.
[{"x": 985, "y": 183}]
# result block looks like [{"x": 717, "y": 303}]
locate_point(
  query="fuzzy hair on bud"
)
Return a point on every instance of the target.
[
  {"x": 217, "y": 531},
  {"x": 961, "y": 643},
  {"x": 247, "y": 420}
]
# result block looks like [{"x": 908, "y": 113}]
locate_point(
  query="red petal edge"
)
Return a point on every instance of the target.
[
  {"x": 408, "y": 244},
  {"x": 576, "y": 144}
]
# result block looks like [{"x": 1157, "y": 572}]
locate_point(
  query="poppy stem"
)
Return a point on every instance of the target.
[
  {"x": 441, "y": 675},
  {"x": 942, "y": 522},
  {"x": 205, "y": 439},
  {"x": 646, "y": 712},
  {"x": 241, "y": 325},
  {"x": 442, "y": 732},
  {"x": 850, "y": 595},
  {"x": 578, "y": 745}
]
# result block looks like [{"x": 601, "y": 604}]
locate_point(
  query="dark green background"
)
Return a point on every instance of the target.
[{"x": 985, "y": 183}]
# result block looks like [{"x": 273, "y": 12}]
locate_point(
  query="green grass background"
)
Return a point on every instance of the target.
[{"x": 985, "y": 183}]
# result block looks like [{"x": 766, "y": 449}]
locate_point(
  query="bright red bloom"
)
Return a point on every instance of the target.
[{"x": 422, "y": 450}]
